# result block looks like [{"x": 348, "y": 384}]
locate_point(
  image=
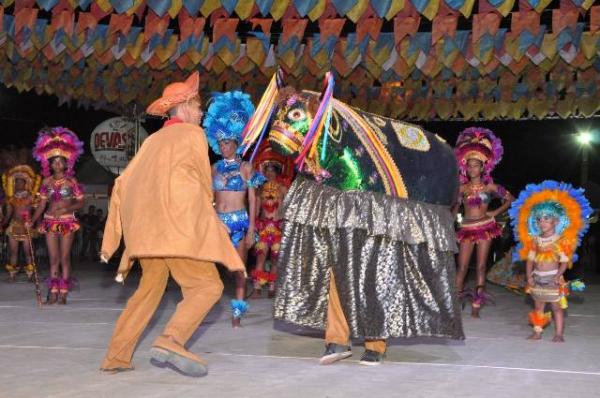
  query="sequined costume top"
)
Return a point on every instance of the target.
[
  {"x": 228, "y": 177},
  {"x": 63, "y": 189},
  {"x": 547, "y": 250}
]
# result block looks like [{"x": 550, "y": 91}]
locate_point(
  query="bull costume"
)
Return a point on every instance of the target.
[
  {"x": 21, "y": 185},
  {"x": 549, "y": 221},
  {"x": 368, "y": 243},
  {"x": 162, "y": 207}
]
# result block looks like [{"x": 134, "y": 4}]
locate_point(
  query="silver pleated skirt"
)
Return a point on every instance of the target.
[{"x": 393, "y": 261}]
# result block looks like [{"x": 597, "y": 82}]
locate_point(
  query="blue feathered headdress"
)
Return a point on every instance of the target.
[
  {"x": 555, "y": 199},
  {"x": 226, "y": 118}
]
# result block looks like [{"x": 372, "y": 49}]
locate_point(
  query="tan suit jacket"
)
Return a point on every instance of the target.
[{"x": 162, "y": 204}]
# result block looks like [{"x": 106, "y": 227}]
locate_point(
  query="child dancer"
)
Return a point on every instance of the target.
[{"x": 549, "y": 221}]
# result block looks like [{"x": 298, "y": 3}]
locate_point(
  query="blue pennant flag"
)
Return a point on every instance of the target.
[
  {"x": 264, "y": 6},
  {"x": 121, "y": 6},
  {"x": 47, "y": 5},
  {"x": 160, "y": 7},
  {"x": 304, "y": 6},
  {"x": 381, "y": 7},
  {"x": 343, "y": 6},
  {"x": 229, "y": 5},
  {"x": 192, "y": 6}
]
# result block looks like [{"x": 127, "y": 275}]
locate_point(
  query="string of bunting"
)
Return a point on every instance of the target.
[
  {"x": 354, "y": 10},
  {"x": 93, "y": 52}
]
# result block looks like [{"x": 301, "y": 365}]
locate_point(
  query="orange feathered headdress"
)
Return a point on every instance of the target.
[{"x": 558, "y": 200}]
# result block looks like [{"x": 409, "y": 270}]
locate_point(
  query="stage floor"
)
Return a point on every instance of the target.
[{"x": 56, "y": 352}]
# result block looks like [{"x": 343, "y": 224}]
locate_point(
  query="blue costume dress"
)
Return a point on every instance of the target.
[{"x": 228, "y": 177}]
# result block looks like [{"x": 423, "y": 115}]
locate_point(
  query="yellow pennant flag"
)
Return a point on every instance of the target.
[
  {"x": 358, "y": 10},
  {"x": 175, "y": 8},
  {"x": 317, "y": 10},
  {"x": 395, "y": 8},
  {"x": 209, "y": 6},
  {"x": 467, "y": 8},
  {"x": 278, "y": 9}
]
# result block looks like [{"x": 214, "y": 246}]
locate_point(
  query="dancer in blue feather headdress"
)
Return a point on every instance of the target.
[
  {"x": 234, "y": 181},
  {"x": 226, "y": 118}
]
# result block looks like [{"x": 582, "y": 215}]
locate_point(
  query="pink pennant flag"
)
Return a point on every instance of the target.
[
  {"x": 120, "y": 23},
  {"x": 64, "y": 20},
  {"x": 293, "y": 28},
  {"x": 485, "y": 23},
  {"x": 525, "y": 20},
  {"x": 225, "y": 27},
  {"x": 404, "y": 26},
  {"x": 85, "y": 21},
  {"x": 443, "y": 26}
]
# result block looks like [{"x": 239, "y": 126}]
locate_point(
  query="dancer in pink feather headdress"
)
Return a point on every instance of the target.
[
  {"x": 478, "y": 151},
  {"x": 57, "y": 149}
]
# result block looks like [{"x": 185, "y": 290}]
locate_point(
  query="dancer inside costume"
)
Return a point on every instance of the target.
[
  {"x": 270, "y": 217},
  {"x": 549, "y": 222},
  {"x": 161, "y": 206},
  {"x": 478, "y": 151},
  {"x": 21, "y": 185},
  {"x": 367, "y": 247},
  {"x": 233, "y": 180},
  {"x": 57, "y": 149}
]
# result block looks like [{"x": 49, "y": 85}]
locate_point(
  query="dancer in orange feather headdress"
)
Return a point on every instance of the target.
[
  {"x": 21, "y": 185},
  {"x": 549, "y": 221}
]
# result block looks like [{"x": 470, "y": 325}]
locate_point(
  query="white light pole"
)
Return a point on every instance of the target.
[{"x": 584, "y": 138}]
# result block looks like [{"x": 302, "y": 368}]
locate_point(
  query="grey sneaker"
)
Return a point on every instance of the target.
[
  {"x": 371, "y": 358},
  {"x": 335, "y": 352}
]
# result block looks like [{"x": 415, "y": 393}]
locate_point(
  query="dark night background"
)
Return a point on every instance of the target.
[{"x": 534, "y": 150}]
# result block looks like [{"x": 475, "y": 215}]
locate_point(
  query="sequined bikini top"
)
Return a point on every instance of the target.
[
  {"x": 476, "y": 196},
  {"x": 228, "y": 177},
  {"x": 63, "y": 189}
]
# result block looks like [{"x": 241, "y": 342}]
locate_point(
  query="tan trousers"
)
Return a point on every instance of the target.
[
  {"x": 337, "y": 330},
  {"x": 201, "y": 287}
]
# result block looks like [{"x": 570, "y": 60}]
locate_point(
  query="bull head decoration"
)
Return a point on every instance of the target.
[{"x": 298, "y": 124}]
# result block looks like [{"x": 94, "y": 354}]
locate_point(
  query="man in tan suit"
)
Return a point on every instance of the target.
[{"x": 162, "y": 207}]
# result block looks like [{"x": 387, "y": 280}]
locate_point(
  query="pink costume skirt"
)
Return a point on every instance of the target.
[
  {"x": 63, "y": 225},
  {"x": 476, "y": 230}
]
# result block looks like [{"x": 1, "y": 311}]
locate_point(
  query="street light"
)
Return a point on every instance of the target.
[{"x": 584, "y": 138}]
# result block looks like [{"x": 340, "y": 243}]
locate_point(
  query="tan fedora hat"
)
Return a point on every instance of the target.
[{"x": 174, "y": 94}]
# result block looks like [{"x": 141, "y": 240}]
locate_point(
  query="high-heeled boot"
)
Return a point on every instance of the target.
[
  {"x": 12, "y": 272},
  {"x": 53, "y": 287},
  {"x": 272, "y": 279},
  {"x": 63, "y": 290},
  {"x": 29, "y": 271},
  {"x": 238, "y": 309},
  {"x": 480, "y": 298}
]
